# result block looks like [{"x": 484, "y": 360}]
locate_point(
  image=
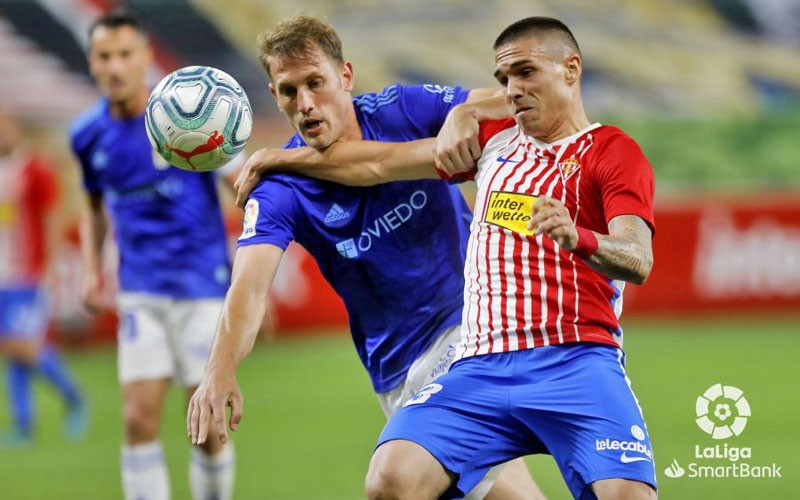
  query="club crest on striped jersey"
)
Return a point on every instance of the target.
[
  {"x": 510, "y": 210},
  {"x": 569, "y": 167}
]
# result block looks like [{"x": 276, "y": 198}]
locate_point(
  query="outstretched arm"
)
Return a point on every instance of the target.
[
  {"x": 353, "y": 163},
  {"x": 625, "y": 253},
  {"x": 254, "y": 270}
]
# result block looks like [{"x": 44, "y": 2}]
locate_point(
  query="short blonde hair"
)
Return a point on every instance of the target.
[{"x": 297, "y": 37}]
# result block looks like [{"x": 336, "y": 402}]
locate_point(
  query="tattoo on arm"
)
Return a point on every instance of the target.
[{"x": 626, "y": 252}]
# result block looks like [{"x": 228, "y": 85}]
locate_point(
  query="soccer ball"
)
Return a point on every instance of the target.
[{"x": 198, "y": 118}]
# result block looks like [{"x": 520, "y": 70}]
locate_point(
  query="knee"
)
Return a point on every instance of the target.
[
  {"x": 622, "y": 489},
  {"x": 141, "y": 423},
  {"x": 384, "y": 483}
]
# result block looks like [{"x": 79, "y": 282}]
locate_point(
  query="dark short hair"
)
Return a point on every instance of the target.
[
  {"x": 537, "y": 25},
  {"x": 117, "y": 18},
  {"x": 297, "y": 37}
]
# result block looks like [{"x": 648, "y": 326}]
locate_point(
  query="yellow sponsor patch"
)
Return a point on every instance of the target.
[{"x": 510, "y": 210}]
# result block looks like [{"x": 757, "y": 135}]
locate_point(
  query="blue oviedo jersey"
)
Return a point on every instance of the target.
[
  {"x": 393, "y": 252},
  {"x": 167, "y": 222}
]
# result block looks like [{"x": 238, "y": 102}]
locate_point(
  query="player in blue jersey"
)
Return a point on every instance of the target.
[
  {"x": 173, "y": 266},
  {"x": 394, "y": 253}
]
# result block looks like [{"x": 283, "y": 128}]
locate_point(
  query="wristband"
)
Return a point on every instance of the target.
[{"x": 587, "y": 243}]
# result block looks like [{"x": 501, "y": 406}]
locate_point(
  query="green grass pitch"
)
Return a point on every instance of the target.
[{"x": 311, "y": 419}]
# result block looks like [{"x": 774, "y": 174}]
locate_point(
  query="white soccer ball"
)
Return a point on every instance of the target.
[{"x": 198, "y": 118}]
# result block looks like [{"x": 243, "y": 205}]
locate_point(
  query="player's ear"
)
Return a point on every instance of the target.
[
  {"x": 572, "y": 69},
  {"x": 273, "y": 91},
  {"x": 346, "y": 73}
]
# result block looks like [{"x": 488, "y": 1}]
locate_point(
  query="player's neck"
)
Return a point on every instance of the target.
[
  {"x": 352, "y": 129},
  {"x": 131, "y": 107}
]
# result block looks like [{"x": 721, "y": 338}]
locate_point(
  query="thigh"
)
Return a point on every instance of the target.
[
  {"x": 582, "y": 408},
  {"x": 463, "y": 419},
  {"x": 144, "y": 348},
  {"x": 194, "y": 324}
]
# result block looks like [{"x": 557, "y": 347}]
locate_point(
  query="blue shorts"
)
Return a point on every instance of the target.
[
  {"x": 573, "y": 402},
  {"x": 24, "y": 314}
]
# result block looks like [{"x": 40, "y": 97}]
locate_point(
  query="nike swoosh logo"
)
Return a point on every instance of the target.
[
  {"x": 503, "y": 160},
  {"x": 625, "y": 459}
]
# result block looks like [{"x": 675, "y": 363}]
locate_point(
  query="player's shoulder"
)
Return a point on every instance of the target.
[
  {"x": 611, "y": 134},
  {"x": 285, "y": 186},
  {"x": 370, "y": 102},
  {"x": 493, "y": 129},
  {"x": 88, "y": 123}
]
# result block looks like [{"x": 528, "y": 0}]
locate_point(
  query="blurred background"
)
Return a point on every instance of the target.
[{"x": 709, "y": 88}]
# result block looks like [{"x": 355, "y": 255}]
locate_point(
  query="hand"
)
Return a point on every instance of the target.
[
  {"x": 457, "y": 145},
  {"x": 551, "y": 217},
  {"x": 259, "y": 163},
  {"x": 92, "y": 292},
  {"x": 207, "y": 406}
]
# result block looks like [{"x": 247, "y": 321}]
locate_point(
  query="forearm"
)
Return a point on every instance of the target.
[
  {"x": 492, "y": 107},
  {"x": 626, "y": 252},
  {"x": 352, "y": 163},
  {"x": 93, "y": 229},
  {"x": 621, "y": 259},
  {"x": 237, "y": 331}
]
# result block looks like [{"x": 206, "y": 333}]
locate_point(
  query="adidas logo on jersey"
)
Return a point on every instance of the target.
[{"x": 336, "y": 214}]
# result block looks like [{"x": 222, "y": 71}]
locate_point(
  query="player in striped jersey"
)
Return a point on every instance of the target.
[
  {"x": 373, "y": 245},
  {"x": 563, "y": 218}
]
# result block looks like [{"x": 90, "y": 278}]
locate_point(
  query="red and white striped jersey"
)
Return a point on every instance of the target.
[
  {"x": 28, "y": 191},
  {"x": 524, "y": 291}
]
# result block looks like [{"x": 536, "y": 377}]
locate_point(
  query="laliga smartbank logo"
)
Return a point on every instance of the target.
[{"x": 722, "y": 412}]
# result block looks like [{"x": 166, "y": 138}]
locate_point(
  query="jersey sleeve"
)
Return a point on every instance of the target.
[
  {"x": 626, "y": 180},
  {"x": 270, "y": 215},
  {"x": 81, "y": 148},
  {"x": 427, "y": 106}
]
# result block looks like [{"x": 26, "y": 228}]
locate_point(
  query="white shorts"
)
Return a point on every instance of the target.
[
  {"x": 160, "y": 337},
  {"x": 432, "y": 363},
  {"x": 435, "y": 361}
]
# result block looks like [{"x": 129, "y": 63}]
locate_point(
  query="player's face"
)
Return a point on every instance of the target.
[
  {"x": 118, "y": 61},
  {"x": 537, "y": 85},
  {"x": 314, "y": 94}
]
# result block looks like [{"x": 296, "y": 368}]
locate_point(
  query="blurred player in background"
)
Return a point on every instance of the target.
[
  {"x": 563, "y": 219},
  {"x": 29, "y": 238},
  {"x": 173, "y": 266},
  {"x": 379, "y": 247}
]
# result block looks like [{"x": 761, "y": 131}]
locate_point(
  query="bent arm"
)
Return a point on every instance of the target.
[
  {"x": 359, "y": 163},
  {"x": 626, "y": 253}
]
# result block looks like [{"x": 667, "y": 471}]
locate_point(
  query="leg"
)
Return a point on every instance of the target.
[
  {"x": 144, "y": 473},
  {"x": 623, "y": 489},
  {"x": 405, "y": 470},
  {"x": 506, "y": 482},
  {"x": 21, "y": 355},
  {"x": 18, "y": 391},
  {"x": 515, "y": 482},
  {"x": 212, "y": 467}
]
